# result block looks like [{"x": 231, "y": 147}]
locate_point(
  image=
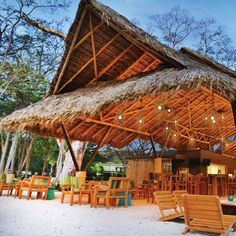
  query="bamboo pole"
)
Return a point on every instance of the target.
[{"x": 70, "y": 146}]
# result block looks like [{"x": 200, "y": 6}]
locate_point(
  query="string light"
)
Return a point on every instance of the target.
[
  {"x": 213, "y": 121},
  {"x": 175, "y": 121},
  {"x": 206, "y": 118},
  {"x": 167, "y": 127},
  {"x": 159, "y": 107},
  {"x": 212, "y": 118},
  {"x": 169, "y": 110},
  {"x": 175, "y": 135},
  {"x": 140, "y": 121},
  {"x": 120, "y": 117}
]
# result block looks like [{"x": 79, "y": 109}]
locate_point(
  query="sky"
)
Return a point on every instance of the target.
[{"x": 223, "y": 11}]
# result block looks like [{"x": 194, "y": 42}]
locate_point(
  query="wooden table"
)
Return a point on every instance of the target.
[{"x": 228, "y": 207}]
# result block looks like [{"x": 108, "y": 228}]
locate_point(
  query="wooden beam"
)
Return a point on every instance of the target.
[
  {"x": 88, "y": 34},
  {"x": 70, "y": 147},
  {"x": 132, "y": 65},
  {"x": 70, "y": 52},
  {"x": 153, "y": 146},
  {"x": 164, "y": 146},
  {"x": 111, "y": 63},
  {"x": 88, "y": 62},
  {"x": 97, "y": 148},
  {"x": 116, "y": 126},
  {"x": 93, "y": 44},
  {"x": 150, "y": 65}
]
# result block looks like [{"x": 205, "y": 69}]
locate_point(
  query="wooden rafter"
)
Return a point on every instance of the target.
[
  {"x": 150, "y": 65},
  {"x": 131, "y": 66},
  {"x": 88, "y": 62},
  {"x": 88, "y": 35},
  {"x": 93, "y": 44},
  {"x": 116, "y": 126},
  {"x": 70, "y": 52},
  {"x": 111, "y": 63}
]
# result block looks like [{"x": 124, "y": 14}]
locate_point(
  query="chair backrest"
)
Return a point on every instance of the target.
[
  {"x": 164, "y": 200},
  {"x": 120, "y": 184},
  {"x": 76, "y": 181},
  {"x": 178, "y": 195},
  {"x": 40, "y": 181},
  {"x": 205, "y": 209}
]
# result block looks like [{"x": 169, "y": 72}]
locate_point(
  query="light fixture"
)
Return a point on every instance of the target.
[
  {"x": 175, "y": 135},
  {"x": 212, "y": 118},
  {"x": 167, "y": 127},
  {"x": 159, "y": 107},
  {"x": 169, "y": 110},
  {"x": 175, "y": 121},
  {"x": 213, "y": 121},
  {"x": 120, "y": 117},
  {"x": 222, "y": 117},
  {"x": 140, "y": 121},
  {"x": 206, "y": 118}
]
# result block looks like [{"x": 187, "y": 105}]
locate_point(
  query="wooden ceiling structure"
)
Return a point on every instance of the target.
[{"x": 116, "y": 84}]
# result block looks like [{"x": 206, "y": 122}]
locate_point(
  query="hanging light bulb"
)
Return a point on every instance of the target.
[
  {"x": 191, "y": 139},
  {"x": 159, "y": 107},
  {"x": 120, "y": 117},
  {"x": 167, "y": 127},
  {"x": 175, "y": 121},
  {"x": 206, "y": 118},
  {"x": 169, "y": 110},
  {"x": 222, "y": 117},
  {"x": 140, "y": 121},
  {"x": 213, "y": 121},
  {"x": 175, "y": 135},
  {"x": 212, "y": 117}
]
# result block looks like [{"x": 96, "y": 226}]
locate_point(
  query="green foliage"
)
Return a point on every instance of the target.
[{"x": 43, "y": 148}]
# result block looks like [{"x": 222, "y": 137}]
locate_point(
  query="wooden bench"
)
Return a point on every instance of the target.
[
  {"x": 165, "y": 201},
  {"x": 204, "y": 213},
  {"x": 38, "y": 183}
]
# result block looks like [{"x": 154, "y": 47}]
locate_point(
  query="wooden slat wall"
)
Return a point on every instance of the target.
[{"x": 138, "y": 170}]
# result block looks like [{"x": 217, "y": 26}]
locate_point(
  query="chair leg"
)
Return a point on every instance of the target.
[
  {"x": 107, "y": 202},
  {"x": 62, "y": 197},
  {"x": 20, "y": 193},
  {"x": 28, "y": 194},
  {"x": 71, "y": 198}
]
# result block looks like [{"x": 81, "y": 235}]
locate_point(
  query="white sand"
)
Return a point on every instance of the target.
[{"x": 39, "y": 217}]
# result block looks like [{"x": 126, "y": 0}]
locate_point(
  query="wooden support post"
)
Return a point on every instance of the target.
[
  {"x": 97, "y": 148},
  {"x": 70, "y": 147},
  {"x": 162, "y": 150},
  {"x": 153, "y": 146}
]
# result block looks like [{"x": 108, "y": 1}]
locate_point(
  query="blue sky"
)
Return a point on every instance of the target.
[{"x": 223, "y": 11}]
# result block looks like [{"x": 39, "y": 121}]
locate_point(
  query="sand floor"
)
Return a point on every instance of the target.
[{"x": 39, "y": 217}]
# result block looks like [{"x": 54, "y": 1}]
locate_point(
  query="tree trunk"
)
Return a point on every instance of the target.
[
  {"x": 79, "y": 148},
  {"x": 45, "y": 162},
  {"x": 27, "y": 158},
  {"x": 12, "y": 154},
  {"x": 60, "y": 159},
  {"x": 4, "y": 152}
]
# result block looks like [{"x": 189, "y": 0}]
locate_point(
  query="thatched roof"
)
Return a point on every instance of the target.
[
  {"x": 46, "y": 116},
  {"x": 109, "y": 27},
  {"x": 135, "y": 73}
]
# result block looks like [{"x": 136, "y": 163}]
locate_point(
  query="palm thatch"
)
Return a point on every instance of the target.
[{"x": 90, "y": 101}]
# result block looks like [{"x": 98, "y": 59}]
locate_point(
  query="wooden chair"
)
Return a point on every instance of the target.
[
  {"x": 6, "y": 186},
  {"x": 39, "y": 184},
  {"x": 70, "y": 186},
  {"x": 165, "y": 201},
  {"x": 118, "y": 187},
  {"x": 178, "y": 196},
  {"x": 204, "y": 214},
  {"x": 87, "y": 189},
  {"x": 99, "y": 192}
]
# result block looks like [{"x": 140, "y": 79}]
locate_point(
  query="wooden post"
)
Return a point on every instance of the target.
[
  {"x": 70, "y": 146},
  {"x": 97, "y": 148},
  {"x": 162, "y": 150},
  {"x": 153, "y": 146}
]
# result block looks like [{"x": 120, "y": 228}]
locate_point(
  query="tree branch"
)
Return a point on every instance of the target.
[{"x": 42, "y": 27}]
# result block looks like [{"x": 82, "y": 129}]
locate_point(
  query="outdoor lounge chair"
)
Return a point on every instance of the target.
[
  {"x": 204, "y": 213},
  {"x": 178, "y": 195},
  {"x": 38, "y": 183},
  {"x": 165, "y": 201}
]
